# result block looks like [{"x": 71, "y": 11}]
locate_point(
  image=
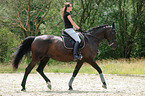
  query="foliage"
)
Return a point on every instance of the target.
[
  {"x": 27, "y": 15},
  {"x": 8, "y": 44}
]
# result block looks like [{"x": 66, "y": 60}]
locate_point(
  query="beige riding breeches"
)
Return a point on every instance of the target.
[{"x": 73, "y": 34}]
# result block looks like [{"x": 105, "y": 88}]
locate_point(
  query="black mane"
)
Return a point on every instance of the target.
[{"x": 96, "y": 28}]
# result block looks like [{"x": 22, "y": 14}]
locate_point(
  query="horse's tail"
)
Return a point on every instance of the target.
[{"x": 24, "y": 48}]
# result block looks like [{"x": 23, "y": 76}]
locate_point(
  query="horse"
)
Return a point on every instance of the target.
[{"x": 45, "y": 47}]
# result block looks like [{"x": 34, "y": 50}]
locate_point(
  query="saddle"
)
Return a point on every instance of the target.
[{"x": 69, "y": 41}]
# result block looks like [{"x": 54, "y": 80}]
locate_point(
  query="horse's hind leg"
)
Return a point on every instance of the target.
[
  {"x": 27, "y": 71},
  {"x": 40, "y": 70}
]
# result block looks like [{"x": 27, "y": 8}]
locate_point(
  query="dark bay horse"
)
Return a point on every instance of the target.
[{"x": 48, "y": 46}]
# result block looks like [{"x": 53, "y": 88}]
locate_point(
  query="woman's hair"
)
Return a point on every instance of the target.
[{"x": 63, "y": 11}]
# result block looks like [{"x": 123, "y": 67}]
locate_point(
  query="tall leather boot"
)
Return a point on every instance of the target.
[{"x": 75, "y": 56}]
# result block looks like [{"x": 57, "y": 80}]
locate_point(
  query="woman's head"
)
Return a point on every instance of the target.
[
  {"x": 67, "y": 7},
  {"x": 67, "y": 4}
]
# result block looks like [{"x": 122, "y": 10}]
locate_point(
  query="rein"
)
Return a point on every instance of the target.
[
  {"x": 88, "y": 34},
  {"x": 93, "y": 36}
]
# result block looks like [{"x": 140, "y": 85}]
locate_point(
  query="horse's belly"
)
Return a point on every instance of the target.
[
  {"x": 60, "y": 53},
  {"x": 63, "y": 58}
]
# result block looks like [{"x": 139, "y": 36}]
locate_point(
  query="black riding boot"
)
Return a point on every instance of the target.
[{"x": 75, "y": 56}]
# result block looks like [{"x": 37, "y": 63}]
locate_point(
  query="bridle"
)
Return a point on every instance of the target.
[{"x": 112, "y": 41}]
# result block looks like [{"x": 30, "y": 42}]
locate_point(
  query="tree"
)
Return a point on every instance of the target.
[
  {"x": 27, "y": 15},
  {"x": 8, "y": 43},
  {"x": 128, "y": 15},
  {"x": 129, "y": 38},
  {"x": 139, "y": 49}
]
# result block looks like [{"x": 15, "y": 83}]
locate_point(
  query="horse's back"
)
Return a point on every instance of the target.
[
  {"x": 50, "y": 46},
  {"x": 48, "y": 38},
  {"x": 44, "y": 42}
]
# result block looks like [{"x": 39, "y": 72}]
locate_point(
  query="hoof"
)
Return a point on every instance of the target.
[
  {"x": 24, "y": 90},
  {"x": 70, "y": 88},
  {"x": 49, "y": 85},
  {"x": 104, "y": 86}
]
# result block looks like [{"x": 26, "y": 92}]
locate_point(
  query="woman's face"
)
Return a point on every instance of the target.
[{"x": 70, "y": 8}]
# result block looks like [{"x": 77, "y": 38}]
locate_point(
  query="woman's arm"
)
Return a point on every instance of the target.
[{"x": 72, "y": 22}]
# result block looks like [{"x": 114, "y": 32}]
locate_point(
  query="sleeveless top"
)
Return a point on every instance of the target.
[{"x": 67, "y": 23}]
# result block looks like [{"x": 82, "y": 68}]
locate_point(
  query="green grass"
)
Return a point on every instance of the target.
[
  {"x": 111, "y": 66},
  {"x": 126, "y": 67}
]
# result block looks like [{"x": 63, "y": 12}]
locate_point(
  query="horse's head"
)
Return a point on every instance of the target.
[
  {"x": 107, "y": 32},
  {"x": 110, "y": 35}
]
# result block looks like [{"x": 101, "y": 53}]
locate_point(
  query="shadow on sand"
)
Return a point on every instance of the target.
[
  {"x": 69, "y": 92},
  {"x": 77, "y": 91}
]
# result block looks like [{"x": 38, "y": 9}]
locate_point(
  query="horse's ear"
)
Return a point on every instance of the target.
[{"x": 113, "y": 25}]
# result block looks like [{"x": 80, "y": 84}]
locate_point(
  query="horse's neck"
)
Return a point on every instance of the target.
[
  {"x": 93, "y": 40},
  {"x": 97, "y": 38}
]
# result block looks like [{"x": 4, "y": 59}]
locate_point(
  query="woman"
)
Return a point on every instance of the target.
[{"x": 70, "y": 26}]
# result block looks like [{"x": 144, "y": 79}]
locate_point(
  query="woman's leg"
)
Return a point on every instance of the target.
[{"x": 75, "y": 36}]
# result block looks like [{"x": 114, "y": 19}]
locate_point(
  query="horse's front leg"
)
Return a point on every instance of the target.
[
  {"x": 95, "y": 65},
  {"x": 103, "y": 81},
  {"x": 77, "y": 68}
]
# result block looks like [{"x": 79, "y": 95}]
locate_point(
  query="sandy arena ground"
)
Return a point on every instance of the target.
[{"x": 83, "y": 85}]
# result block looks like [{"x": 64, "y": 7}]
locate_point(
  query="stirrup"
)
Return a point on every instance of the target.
[
  {"x": 75, "y": 57},
  {"x": 80, "y": 57}
]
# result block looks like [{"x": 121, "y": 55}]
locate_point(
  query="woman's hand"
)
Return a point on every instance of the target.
[{"x": 79, "y": 30}]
